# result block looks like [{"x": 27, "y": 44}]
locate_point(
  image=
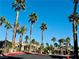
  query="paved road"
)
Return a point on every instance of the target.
[{"x": 29, "y": 56}]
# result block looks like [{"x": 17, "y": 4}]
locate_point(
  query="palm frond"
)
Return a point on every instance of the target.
[
  {"x": 43, "y": 26},
  {"x": 32, "y": 18},
  {"x": 18, "y": 5}
]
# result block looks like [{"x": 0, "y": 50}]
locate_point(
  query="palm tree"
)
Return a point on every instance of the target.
[
  {"x": 41, "y": 48},
  {"x": 61, "y": 41},
  {"x": 26, "y": 42},
  {"x": 74, "y": 19},
  {"x": 32, "y": 20},
  {"x": 47, "y": 47},
  {"x": 17, "y": 5},
  {"x": 56, "y": 44},
  {"x": 47, "y": 44},
  {"x": 7, "y": 26},
  {"x": 37, "y": 43},
  {"x": 2, "y": 20},
  {"x": 26, "y": 37},
  {"x": 67, "y": 41},
  {"x": 43, "y": 27},
  {"x": 21, "y": 31},
  {"x": 51, "y": 49},
  {"x": 53, "y": 40},
  {"x": 33, "y": 42}
]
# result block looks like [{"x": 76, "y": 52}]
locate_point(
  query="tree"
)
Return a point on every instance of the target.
[
  {"x": 74, "y": 19},
  {"x": 42, "y": 48},
  {"x": 43, "y": 27},
  {"x": 2, "y": 20},
  {"x": 26, "y": 37},
  {"x": 56, "y": 44},
  {"x": 51, "y": 49},
  {"x": 61, "y": 41},
  {"x": 32, "y": 20},
  {"x": 33, "y": 41},
  {"x": 47, "y": 44},
  {"x": 53, "y": 40},
  {"x": 67, "y": 44},
  {"x": 67, "y": 41},
  {"x": 47, "y": 48},
  {"x": 26, "y": 42},
  {"x": 7, "y": 26},
  {"x": 21, "y": 31},
  {"x": 17, "y": 5},
  {"x": 37, "y": 43}
]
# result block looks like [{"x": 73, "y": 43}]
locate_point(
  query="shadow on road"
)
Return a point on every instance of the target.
[
  {"x": 57, "y": 57},
  {"x": 61, "y": 57},
  {"x": 8, "y": 57}
]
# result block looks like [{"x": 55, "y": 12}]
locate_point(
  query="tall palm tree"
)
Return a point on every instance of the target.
[
  {"x": 53, "y": 40},
  {"x": 7, "y": 26},
  {"x": 43, "y": 27},
  {"x": 61, "y": 41},
  {"x": 21, "y": 31},
  {"x": 17, "y": 5},
  {"x": 32, "y": 20},
  {"x": 74, "y": 19}
]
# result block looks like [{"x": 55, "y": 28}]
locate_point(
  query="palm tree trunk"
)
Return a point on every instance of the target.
[
  {"x": 15, "y": 27},
  {"x": 67, "y": 47},
  {"x": 75, "y": 40},
  {"x": 30, "y": 31},
  {"x": 21, "y": 41},
  {"x": 30, "y": 36},
  {"x": 6, "y": 40},
  {"x": 42, "y": 36},
  {"x": 75, "y": 33},
  {"x": 61, "y": 48},
  {"x": 42, "y": 41}
]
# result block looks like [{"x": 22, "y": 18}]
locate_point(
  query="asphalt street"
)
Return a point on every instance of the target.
[{"x": 30, "y": 56}]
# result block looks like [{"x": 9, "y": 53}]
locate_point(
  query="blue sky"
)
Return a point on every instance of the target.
[{"x": 53, "y": 12}]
